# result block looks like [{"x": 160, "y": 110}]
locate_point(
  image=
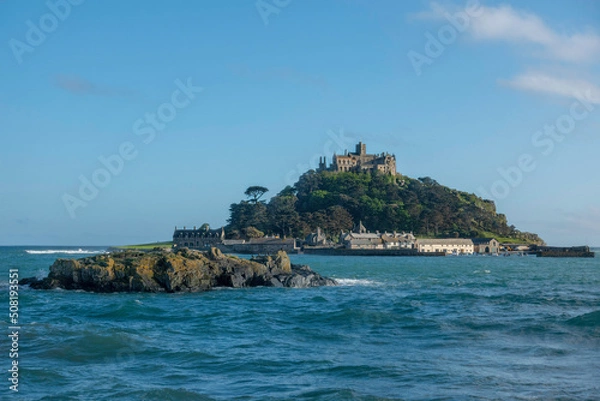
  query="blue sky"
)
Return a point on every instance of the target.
[{"x": 497, "y": 98}]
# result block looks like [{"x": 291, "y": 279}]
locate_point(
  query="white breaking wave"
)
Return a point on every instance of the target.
[
  {"x": 356, "y": 282},
  {"x": 65, "y": 251}
]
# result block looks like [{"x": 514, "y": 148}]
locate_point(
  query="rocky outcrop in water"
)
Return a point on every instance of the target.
[{"x": 183, "y": 270}]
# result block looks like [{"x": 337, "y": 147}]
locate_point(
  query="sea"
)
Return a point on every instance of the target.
[{"x": 395, "y": 328}]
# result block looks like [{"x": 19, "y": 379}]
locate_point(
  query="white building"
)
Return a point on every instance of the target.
[
  {"x": 359, "y": 238},
  {"x": 459, "y": 246}
]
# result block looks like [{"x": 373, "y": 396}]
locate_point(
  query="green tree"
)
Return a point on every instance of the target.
[
  {"x": 255, "y": 193},
  {"x": 282, "y": 215},
  {"x": 287, "y": 191},
  {"x": 339, "y": 219},
  {"x": 247, "y": 214}
]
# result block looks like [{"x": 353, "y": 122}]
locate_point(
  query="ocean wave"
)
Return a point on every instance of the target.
[
  {"x": 174, "y": 394},
  {"x": 64, "y": 251},
  {"x": 591, "y": 319},
  {"x": 351, "y": 282}
]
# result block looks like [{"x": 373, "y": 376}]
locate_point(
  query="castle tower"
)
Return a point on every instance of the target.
[
  {"x": 322, "y": 163},
  {"x": 361, "y": 149}
]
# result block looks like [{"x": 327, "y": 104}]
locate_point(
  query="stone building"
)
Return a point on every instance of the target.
[
  {"x": 266, "y": 245},
  {"x": 360, "y": 161},
  {"x": 205, "y": 238},
  {"x": 486, "y": 245},
  {"x": 398, "y": 240},
  {"x": 317, "y": 239},
  {"x": 458, "y": 246},
  {"x": 360, "y": 238},
  {"x": 198, "y": 238}
]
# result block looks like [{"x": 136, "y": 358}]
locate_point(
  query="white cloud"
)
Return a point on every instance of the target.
[
  {"x": 531, "y": 33},
  {"x": 543, "y": 83},
  {"x": 503, "y": 23}
]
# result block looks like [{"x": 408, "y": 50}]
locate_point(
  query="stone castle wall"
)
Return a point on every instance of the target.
[{"x": 360, "y": 161}]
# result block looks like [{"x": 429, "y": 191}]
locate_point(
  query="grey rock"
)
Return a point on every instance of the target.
[{"x": 183, "y": 270}]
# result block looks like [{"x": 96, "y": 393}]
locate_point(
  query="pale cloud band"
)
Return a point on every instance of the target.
[
  {"x": 528, "y": 31},
  {"x": 503, "y": 23},
  {"x": 547, "y": 84}
]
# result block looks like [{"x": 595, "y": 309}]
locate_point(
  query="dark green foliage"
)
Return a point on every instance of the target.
[
  {"x": 247, "y": 214},
  {"x": 255, "y": 193},
  {"x": 332, "y": 220},
  {"x": 283, "y": 217},
  {"x": 335, "y": 201}
]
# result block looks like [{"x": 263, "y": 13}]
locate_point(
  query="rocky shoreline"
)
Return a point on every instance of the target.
[{"x": 183, "y": 270}]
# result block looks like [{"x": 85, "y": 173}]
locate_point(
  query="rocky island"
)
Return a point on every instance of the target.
[{"x": 183, "y": 270}]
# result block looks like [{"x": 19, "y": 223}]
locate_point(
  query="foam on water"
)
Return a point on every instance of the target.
[
  {"x": 63, "y": 251},
  {"x": 351, "y": 282}
]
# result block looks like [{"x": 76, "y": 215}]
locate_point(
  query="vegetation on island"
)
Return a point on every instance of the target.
[
  {"x": 335, "y": 201},
  {"x": 146, "y": 247}
]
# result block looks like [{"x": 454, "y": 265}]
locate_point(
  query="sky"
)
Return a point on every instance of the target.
[{"x": 121, "y": 120}]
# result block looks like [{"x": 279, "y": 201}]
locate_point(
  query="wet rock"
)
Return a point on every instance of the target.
[{"x": 183, "y": 270}]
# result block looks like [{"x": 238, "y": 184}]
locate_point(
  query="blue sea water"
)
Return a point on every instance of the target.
[{"x": 404, "y": 328}]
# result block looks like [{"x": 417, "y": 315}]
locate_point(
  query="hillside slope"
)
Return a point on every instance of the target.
[{"x": 335, "y": 201}]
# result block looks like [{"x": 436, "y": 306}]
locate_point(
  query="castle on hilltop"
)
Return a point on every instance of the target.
[{"x": 360, "y": 162}]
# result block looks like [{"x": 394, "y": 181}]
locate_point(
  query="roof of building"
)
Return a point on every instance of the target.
[
  {"x": 359, "y": 228},
  {"x": 270, "y": 241},
  {"x": 364, "y": 236},
  {"x": 318, "y": 236},
  {"x": 444, "y": 241},
  {"x": 233, "y": 241},
  {"x": 481, "y": 241},
  {"x": 397, "y": 238},
  {"x": 200, "y": 230},
  {"x": 401, "y": 236},
  {"x": 198, "y": 233},
  {"x": 361, "y": 241}
]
